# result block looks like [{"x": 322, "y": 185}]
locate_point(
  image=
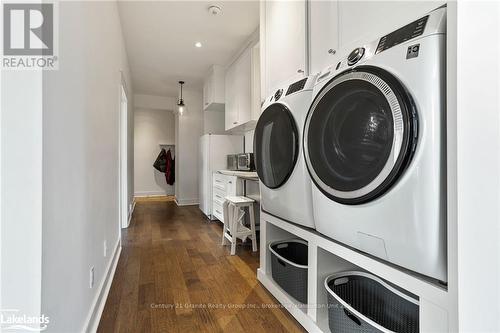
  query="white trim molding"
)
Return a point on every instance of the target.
[
  {"x": 131, "y": 211},
  {"x": 186, "y": 202},
  {"x": 140, "y": 194},
  {"x": 94, "y": 316}
]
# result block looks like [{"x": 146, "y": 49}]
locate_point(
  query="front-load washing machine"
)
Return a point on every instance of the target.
[
  {"x": 285, "y": 185},
  {"x": 374, "y": 144}
]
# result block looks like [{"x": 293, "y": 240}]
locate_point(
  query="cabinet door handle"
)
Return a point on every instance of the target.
[
  {"x": 301, "y": 71},
  {"x": 206, "y": 103},
  {"x": 230, "y": 182},
  {"x": 234, "y": 123}
]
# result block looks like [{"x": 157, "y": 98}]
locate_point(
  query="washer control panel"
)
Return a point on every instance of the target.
[
  {"x": 355, "y": 56},
  {"x": 297, "y": 86},
  {"x": 277, "y": 94}
]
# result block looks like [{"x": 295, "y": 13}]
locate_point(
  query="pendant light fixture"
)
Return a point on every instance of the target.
[{"x": 181, "y": 107}]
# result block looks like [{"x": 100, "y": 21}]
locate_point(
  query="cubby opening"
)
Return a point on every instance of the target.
[
  {"x": 275, "y": 234},
  {"x": 328, "y": 264}
]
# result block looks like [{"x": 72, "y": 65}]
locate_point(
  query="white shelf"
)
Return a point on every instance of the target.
[
  {"x": 296, "y": 310},
  {"x": 327, "y": 257}
]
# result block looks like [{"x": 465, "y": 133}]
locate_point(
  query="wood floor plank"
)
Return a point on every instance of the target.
[{"x": 174, "y": 276}]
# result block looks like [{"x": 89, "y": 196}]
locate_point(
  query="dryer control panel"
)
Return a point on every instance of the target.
[{"x": 402, "y": 35}]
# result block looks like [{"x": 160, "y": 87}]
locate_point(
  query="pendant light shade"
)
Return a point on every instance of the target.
[{"x": 181, "y": 107}]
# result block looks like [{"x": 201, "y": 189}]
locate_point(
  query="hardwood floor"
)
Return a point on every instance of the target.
[{"x": 174, "y": 276}]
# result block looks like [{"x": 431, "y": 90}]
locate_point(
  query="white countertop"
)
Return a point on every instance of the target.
[{"x": 250, "y": 175}]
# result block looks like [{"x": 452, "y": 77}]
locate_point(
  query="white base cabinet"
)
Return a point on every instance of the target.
[
  {"x": 223, "y": 186},
  {"x": 326, "y": 257}
]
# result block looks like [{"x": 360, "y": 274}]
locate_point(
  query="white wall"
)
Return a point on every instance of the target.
[
  {"x": 478, "y": 165},
  {"x": 21, "y": 191},
  {"x": 188, "y": 129},
  {"x": 154, "y": 102},
  {"x": 80, "y": 162},
  {"x": 152, "y": 127}
]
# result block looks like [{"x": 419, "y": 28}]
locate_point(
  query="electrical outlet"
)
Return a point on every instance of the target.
[
  {"x": 105, "y": 247},
  {"x": 91, "y": 277}
]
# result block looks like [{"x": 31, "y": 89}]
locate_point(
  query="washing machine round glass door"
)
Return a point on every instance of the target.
[
  {"x": 276, "y": 145},
  {"x": 360, "y": 135}
]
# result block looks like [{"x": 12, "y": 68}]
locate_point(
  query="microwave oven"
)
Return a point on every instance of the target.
[
  {"x": 232, "y": 162},
  {"x": 241, "y": 162},
  {"x": 246, "y": 162}
]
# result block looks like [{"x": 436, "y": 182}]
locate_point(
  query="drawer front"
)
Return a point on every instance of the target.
[
  {"x": 225, "y": 183},
  {"x": 217, "y": 211},
  {"x": 219, "y": 184},
  {"x": 219, "y": 196},
  {"x": 231, "y": 185},
  {"x": 219, "y": 176}
]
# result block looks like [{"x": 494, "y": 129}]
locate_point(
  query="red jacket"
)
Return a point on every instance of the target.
[{"x": 170, "y": 169}]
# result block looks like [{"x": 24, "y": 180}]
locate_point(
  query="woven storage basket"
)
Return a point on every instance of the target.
[
  {"x": 289, "y": 267},
  {"x": 362, "y": 302}
]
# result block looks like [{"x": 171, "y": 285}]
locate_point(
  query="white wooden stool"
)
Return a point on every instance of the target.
[{"x": 233, "y": 210}]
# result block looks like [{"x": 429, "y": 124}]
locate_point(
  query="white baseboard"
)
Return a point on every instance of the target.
[
  {"x": 186, "y": 202},
  {"x": 93, "y": 318},
  {"x": 151, "y": 193},
  {"x": 131, "y": 212}
]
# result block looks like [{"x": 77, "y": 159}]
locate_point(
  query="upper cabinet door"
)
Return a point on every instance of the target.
[
  {"x": 244, "y": 86},
  {"x": 256, "y": 82},
  {"x": 243, "y": 91},
  {"x": 206, "y": 97},
  {"x": 284, "y": 47},
  {"x": 231, "y": 112},
  {"x": 213, "y": 89},
  {"x": 323, "y": 34}
]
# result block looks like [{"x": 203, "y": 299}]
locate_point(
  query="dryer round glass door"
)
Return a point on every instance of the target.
[
  {"x": 360, "y": 135},
  {"x": 276, "y": 145}
]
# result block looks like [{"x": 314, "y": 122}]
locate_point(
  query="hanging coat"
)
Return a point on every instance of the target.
[
  {"x": 170, "y": 169},
  {"x": 161, "y": 161}
]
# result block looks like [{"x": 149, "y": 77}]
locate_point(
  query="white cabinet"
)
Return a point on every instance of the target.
[
  {"x": 255, "y": 81},
  {"x": 284, "y": 48},
  {"x": 223, "y": 186},
  {"x": 213, "y": 89},
  {"x": 243, "y": 91},
  {"x": 231, "y": 116},
  {"x": 243, "y": 86},
  {"x": 323, "y": 34}
]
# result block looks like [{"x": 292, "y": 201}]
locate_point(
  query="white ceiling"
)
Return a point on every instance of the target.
[{"x": 160, "y": 38}]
